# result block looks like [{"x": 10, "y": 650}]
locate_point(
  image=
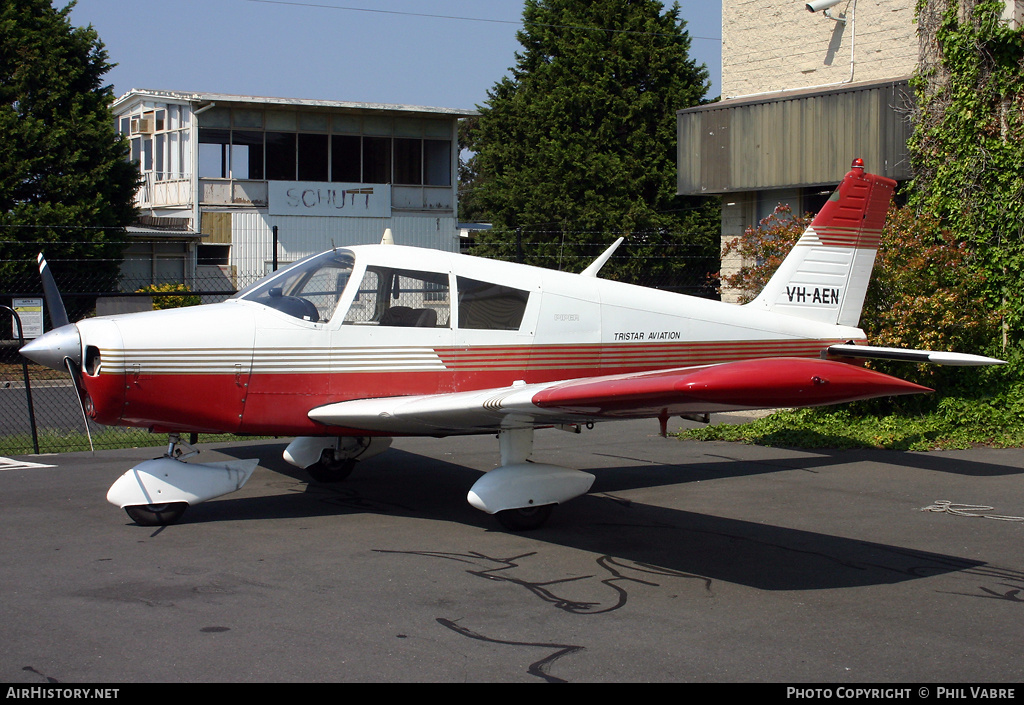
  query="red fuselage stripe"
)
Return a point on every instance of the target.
[{"x": 277, "y": 403}]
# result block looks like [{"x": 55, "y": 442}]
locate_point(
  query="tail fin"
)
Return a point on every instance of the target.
[{"x": 825, "y": 277}]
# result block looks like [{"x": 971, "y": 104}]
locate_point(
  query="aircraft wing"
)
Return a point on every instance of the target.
[{"x": 749, "y": 384}]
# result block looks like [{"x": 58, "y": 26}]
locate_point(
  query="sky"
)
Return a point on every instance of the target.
[{"x": 439, "y": 53}]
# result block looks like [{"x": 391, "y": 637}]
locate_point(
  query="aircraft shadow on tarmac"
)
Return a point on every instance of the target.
[{"x": 758, "y": 555}]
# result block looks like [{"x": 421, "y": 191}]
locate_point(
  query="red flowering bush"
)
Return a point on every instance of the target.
[{"x": 925, "y": 291}]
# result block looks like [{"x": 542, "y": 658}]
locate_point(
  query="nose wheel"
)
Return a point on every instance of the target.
[
  {"x": 157, "y": 492},
  {"x": 166, "y": 513},
  {"x": 156, "y": 514}
]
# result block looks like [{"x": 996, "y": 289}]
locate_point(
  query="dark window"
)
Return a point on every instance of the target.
[
  {"x": 346, "y": 158},
  {"x": 158, "y": 156},
  {"x": 312, "y": 157},
  {"x": 437, "y": 162},
  {"x": 281, "y": 156},
  {"x": 813, "y": 199},
  {"x": 376, "y": 160},
  {"x": 408, "y": 161},
  {"x": 487, "y": 306},
  {"x": 213, "y": 254}
]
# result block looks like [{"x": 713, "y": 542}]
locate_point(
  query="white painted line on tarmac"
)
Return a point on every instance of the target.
[{"x": 10, "y": 464}]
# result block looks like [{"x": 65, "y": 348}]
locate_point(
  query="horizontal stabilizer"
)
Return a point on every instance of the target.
[{"x": 867, "y": 352}]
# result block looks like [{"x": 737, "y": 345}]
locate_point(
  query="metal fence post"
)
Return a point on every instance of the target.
[{"x": 28, "y": 387}]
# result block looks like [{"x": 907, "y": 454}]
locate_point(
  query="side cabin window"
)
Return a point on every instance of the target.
[
  {"x": 401, "y": 298},
  {"x": 487, "y": 306}
]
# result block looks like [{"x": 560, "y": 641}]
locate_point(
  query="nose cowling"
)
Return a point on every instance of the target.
[{"x": 51, "y": 349}]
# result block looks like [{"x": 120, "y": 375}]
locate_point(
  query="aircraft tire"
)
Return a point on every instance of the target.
[
  {"x": 526, "y": 518},
  {"x": 156, "y": 514},
  {"x": 327, "y": 469}
]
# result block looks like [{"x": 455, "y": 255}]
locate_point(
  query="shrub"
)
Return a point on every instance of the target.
[{"x": 161, "y": 300}]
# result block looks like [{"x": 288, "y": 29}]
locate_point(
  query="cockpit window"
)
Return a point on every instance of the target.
[{"x": 308, "y": 289}]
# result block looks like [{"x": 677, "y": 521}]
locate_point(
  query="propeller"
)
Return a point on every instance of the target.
[
  {"x": 58, "y": 314},
  {"x": 61, "y": 347}
]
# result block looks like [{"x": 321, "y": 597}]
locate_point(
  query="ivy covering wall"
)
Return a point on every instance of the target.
[{"x": 968, "y": 144}]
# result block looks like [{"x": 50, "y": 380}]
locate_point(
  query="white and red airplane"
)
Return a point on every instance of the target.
[{"x": 351, "y": 347}]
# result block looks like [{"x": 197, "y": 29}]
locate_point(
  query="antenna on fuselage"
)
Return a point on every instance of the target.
[
  {"x": 388, "y": 238},
  {"x": 596, "y": 265}
]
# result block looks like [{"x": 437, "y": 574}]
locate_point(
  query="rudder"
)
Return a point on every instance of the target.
[{"x": 825, "y": 276}]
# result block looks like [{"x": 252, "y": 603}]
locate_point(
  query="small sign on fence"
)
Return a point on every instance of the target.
[{"x": 31, "y": 313}]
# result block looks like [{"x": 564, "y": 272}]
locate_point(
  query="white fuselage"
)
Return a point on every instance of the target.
[{"x": 242, "y": 366}]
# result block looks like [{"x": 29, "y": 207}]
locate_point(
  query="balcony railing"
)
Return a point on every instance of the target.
[
  {"x": 164, "y": 189},
  {"x": 232, "y": 192}
]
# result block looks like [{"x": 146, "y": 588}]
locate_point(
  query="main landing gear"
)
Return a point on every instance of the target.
[
  {"x": 330, "y": 468},
  {"x": 332, "y": 459},
  {"x": 525, "y": 518},
  {"x": 520, "y": 493}
]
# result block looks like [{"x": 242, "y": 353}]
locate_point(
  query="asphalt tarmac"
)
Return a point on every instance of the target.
[{"x": 690, "y": 562}]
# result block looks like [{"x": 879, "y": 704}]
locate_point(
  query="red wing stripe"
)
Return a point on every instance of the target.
[{"x": 763, "y": 383}]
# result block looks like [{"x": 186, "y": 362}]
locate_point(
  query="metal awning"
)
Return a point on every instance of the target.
[
  {"x": 793, "y": 139},
  {"x": 163, "y": 228}
]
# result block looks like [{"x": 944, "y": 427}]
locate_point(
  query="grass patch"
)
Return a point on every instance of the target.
[
  {"x": 12, "y": 371},
  {"x": 955, "y": 424},
  {"x": 108, "y": 438},
  {"x": 982, "y": 406}
]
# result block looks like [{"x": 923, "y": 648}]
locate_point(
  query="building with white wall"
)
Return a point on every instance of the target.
[{"x": 248, "y": 181}]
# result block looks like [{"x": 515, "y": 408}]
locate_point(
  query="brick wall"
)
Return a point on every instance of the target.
[{"x": 770, "y": 45}]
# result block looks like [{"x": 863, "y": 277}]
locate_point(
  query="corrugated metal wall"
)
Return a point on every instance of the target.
[
  {"x": 794, "y": 140},
  {"x": 299, "y": 236}
]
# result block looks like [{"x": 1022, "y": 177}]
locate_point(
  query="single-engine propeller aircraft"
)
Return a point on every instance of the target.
[{"x": 351, "y": 347}]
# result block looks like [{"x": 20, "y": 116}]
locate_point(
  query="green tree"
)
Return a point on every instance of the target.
[
  {"x": 66, "y": 185},
  {"x": 577, "y": 146}
]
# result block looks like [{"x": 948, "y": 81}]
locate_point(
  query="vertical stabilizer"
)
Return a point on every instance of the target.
[{"x": 825, "y": 277}]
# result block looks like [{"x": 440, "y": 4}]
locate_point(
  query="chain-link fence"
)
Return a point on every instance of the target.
[{"x": 42, "y": 414}]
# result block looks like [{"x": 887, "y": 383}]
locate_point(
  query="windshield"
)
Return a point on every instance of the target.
[{"x": 309, "y": 289}]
